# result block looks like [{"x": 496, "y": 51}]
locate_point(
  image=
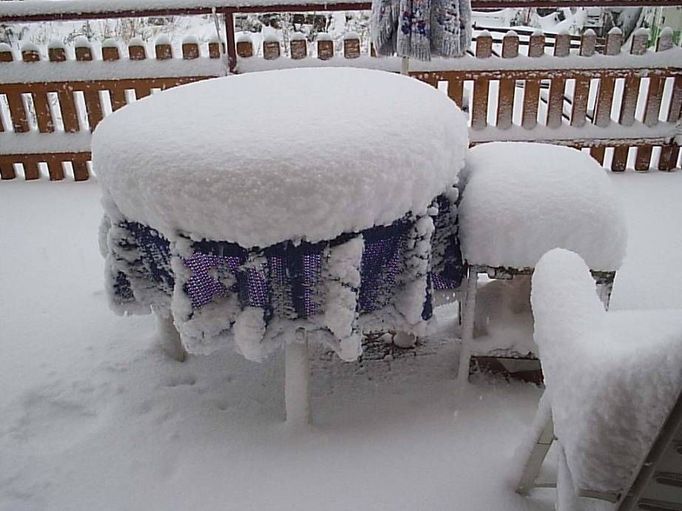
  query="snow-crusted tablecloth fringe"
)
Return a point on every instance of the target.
[{"x": 217, "y": 291}]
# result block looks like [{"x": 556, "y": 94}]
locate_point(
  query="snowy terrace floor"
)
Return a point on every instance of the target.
[{"x": 93, "y": 416}]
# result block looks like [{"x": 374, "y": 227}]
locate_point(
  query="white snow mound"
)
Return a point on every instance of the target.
[
  {"x": 522, "y": 199},
  {"x": 293, "y": 154},
  {"x": 612, "y": 378}
]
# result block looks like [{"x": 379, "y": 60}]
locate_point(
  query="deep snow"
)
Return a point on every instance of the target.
[
  {"x": 508, "y": 191},
  {"x": 94, "y": 416},
  {"x": 264, "y": 158}
]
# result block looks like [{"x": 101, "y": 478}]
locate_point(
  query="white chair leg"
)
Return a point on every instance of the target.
[
  {"x": 539, "y": 444},
  {"x": 566, "y": 496},
  {"x": 297, "y": 382},
  {"x": 468, "y": 317},
  {"x": 169, "y": 337}
]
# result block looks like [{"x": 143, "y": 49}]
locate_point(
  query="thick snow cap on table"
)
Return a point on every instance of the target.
[
  {"x": 522, "y": 199},
  {"x": 295, "y": 154},
  {"x": 612, "y": 378}
]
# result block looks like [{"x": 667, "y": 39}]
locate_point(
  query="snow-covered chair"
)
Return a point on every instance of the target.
[
  {"x": 245, "y": 229},
  {"x": 520, "y": 200},
  {"x": 612, "y": 403}
]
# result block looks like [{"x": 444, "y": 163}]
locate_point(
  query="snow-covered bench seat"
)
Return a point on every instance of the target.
[
  {"x": 520, "y": 200},
  {"x": 612, "y": 378},
  {"x": 257, "y": 207}
]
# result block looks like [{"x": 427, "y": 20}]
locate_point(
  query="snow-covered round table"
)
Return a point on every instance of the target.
[{"x": 256, "y": 206}]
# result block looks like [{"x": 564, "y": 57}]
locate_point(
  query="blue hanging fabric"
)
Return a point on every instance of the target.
[{"x": 421, "y": 28}]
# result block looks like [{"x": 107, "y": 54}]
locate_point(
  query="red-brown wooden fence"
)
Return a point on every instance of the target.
[{"x": 622, "y": 104}]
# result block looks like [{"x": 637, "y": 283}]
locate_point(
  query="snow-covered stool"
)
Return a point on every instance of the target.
[
  {"x": 613, "y": 402},
  {"x": 269, "y": 209},
  {"x": 520, "y": 200}
]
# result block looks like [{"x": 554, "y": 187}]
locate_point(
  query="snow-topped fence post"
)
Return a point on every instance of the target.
[
  {"x": 325, "y": 46},
  {"x": 654, "y": 99},
  {"x": 244, "y": 46},
  {"x": 190, "y": 48},
  {"x": 91, "y": 94},
  {"x": 298, "y": 46},
  {"x": 602, "y": 115},
  {"x": 67, "y": 104},
  {"x": 351, "y": 45},
  {"x": 629, "y": 101},
  {"x": 479, "y": 114},
  {"x": 581, "y": 90},
  {"x": 531, "y": 94},
  {"x": 111, "y": 53},
  {"x": 271, "y": 48},
  {"x": 555, "y": 109},
  {"x": 505, "y": 107}
]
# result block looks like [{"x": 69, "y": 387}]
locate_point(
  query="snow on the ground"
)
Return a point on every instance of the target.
[{"x": 94, "y": 416}]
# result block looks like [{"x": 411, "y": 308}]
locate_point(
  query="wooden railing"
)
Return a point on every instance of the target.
[{"x": 622, "y": 106}]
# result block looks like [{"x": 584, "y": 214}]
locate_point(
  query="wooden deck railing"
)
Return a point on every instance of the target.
[{"x": 624, "y": 105}]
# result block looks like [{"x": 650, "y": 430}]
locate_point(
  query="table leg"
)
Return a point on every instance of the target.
[
  {"x": 468, "y": 316},
  {"x": 297, "y": 381},
  {"x": 169, "y": 337}
]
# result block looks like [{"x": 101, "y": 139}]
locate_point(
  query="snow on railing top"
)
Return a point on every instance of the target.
[
  {"x": 109, "y": 62},
  {"x": 547, "y": 89},
  {"x": 42, "y": 10},
  {"x": 557, "y": 56}
]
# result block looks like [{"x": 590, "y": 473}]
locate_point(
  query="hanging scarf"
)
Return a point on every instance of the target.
[{"x": 421, "y": 28}]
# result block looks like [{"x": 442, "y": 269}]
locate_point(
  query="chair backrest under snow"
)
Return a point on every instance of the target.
[{"x": 612, "y": 378}]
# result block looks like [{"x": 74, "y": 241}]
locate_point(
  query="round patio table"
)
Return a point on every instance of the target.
[{"x": 278, "y": 207}]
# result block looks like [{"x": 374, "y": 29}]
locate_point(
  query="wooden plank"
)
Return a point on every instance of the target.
[
  {"x": 602, "y": 117},
  {"x": 229, "y": 46},
  {"x": 632, "y": 83},
  {"x": 55, "y": 168},
  {"x": 93, "y": 105},
  {"x": 7, "y": 168},
  {"x": 142, "y": 88},
  {"x": 620, "y": 158},
  {"x": 456, "y": 90},
  {"x": 598, "y": 153},
  {"x": 80, "y": 169},
  {"x": 15, "y": 102},
  {"x": 507, "y": 87},
  {"x": 643, "y": 158},
  {"x": 31, "y": 170},
  {"x": 531, "y": 89},
  {"x": 628, "y": 106},
  {"x": 214, "y": 50},
  {"x": 67, "y": 104},
  {"x": 479, "y": 110},
  {"x": 652, "y": 110},
  {"x": 670, "y": 153},
  {"x": 163, "y": 51},
  {"x": 581, "y": 91},
  {"x": 190, "y": 50},
  {"x": 117, "y": 94},
  {"x": 41, "y": 103},
  {"x": 555, "y": 108}
]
